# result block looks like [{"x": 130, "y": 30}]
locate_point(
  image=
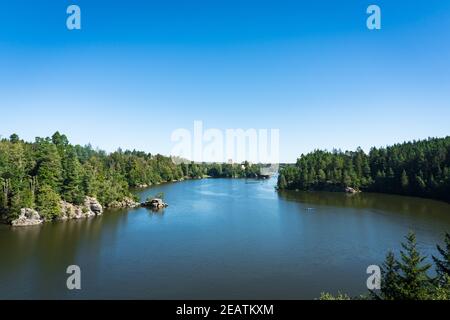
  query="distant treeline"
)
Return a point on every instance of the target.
[
  {"x": 38, "y": 175},
  {"x": 418, "y": 168}
]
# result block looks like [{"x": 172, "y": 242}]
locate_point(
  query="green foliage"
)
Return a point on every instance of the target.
[
  {"x": 418, "y": 168},
  {"x": 282, "y": 184},
  {"x": 48, "y": 164},
  {"x": 408, "y": 278},
  {"x": 443, "y": 264},
  {"x": 38, "y": 175},
  {"x": 391, "y": 278},
  {"x": 14, "y": 138},
  {"x": 48, "y": 202},
  {"x": 413, "y": 282},
  {"x": 329, "y": 296},
  {"x": 72, "y": 190},
  {"x": 404, "y": 180}
]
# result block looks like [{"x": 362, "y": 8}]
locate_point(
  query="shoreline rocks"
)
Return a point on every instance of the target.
[
  {"x": 93, "y": 205},
  {"x": 125, "y": 203},
  {"x": 27, "y": 217},
  {"x": 90, "y": 208}
]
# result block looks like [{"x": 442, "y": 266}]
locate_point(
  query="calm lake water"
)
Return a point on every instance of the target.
[{"x": 219, "y": 238}]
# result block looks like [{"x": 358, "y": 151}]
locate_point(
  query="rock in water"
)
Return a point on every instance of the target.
[
  {"x": 27, "y": 217},
  {"x": 93, "y": 205},
  {"x": 350, "y": 190},
  {"x": 155, "y": 203},
  {"x": 90, "y": 208}
]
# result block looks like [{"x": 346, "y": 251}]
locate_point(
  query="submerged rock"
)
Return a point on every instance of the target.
[{"x": 27, "y": 217}]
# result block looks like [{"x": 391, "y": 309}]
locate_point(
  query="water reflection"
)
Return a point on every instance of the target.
[{"x": 218, "y": 239}]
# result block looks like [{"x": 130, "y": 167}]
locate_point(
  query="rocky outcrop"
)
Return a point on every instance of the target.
[
  {"x": 27, "y": 217},
  {"x": 90, "y": 208},
  {"x": 125, "y": 203},
  {"x": 350, "y": 190},
  {"x": 155, "y": 203},
  {"x": 93, "y": 205}
]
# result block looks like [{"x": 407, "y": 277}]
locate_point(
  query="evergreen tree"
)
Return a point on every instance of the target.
[
  {"x": 14, "y": 138},
  {"x": 443, "y": 265},
  {"x": 48, "y": 169},
  {"x": 48, "y": 202},
  {"x": 414, "y": 282},
  {"x": 72, "y": 190},
  {"x": 60, "y": 140},
  {"x": 390, "y": 279}
]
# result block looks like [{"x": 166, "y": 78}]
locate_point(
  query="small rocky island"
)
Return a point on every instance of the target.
[
  {"x": 351, "y": 190},
  {"x": 154, "y": 203}
]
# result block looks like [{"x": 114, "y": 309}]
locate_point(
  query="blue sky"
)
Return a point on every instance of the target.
[{"x": 137, "y": 70}]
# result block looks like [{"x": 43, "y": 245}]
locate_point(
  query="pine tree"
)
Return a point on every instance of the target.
[
  {"x": 60, "y": 140},
  {"x": 443, "y": 265},
  {"x": 49, "y": 169},
  {"x": 71, "y": 188},
  {"x": 414, "y": 282},
  {"x": 390, "y": 279},
  {"x": 14, "y": 138}
]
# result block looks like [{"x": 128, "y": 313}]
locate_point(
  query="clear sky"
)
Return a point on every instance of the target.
[{"x": 138, "y": 70}]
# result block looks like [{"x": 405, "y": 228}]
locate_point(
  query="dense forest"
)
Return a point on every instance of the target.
[
  {"x": 38, "y": 175},
  {"x": 408, "y": 278},
  {"x": 418, "y": 168}
]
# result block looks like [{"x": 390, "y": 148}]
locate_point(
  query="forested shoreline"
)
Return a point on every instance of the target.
[
  {"x": 418, "y": 168},
  {"x": 40, "y": 174}
]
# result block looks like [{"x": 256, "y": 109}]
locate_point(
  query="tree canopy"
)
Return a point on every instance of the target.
[
  {"x": 417, "y": 168},
  {"x": 39, "y": 175}
]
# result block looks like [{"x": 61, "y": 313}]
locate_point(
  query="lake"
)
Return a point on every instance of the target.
[{"x": 219, "y": 238}]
